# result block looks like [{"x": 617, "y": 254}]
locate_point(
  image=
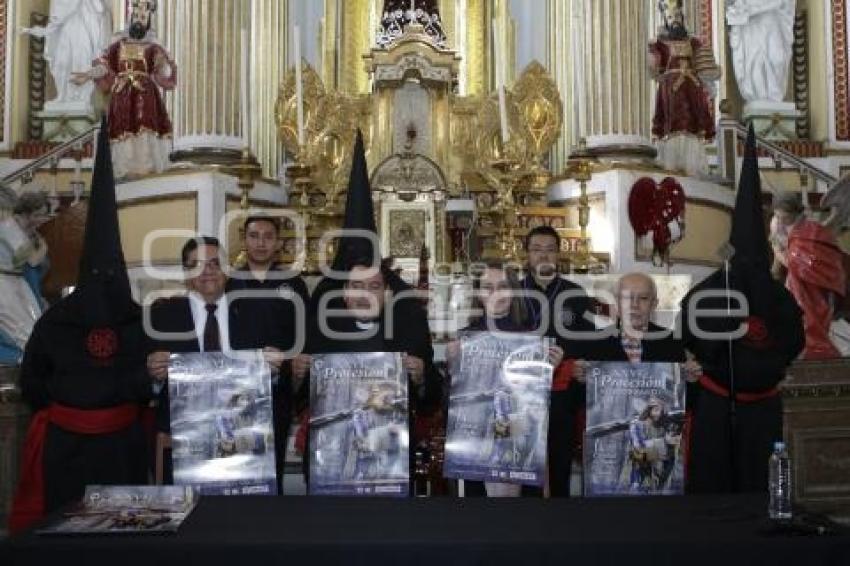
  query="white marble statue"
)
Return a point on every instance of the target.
[
  {"x": 76, "y": 34},
  {"x": 761, "y": 34}
]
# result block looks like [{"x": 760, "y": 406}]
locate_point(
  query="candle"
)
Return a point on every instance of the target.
[
  {"x": 503, "y": 115},
  {"x": 243, "y": 89},
  {"x": 578, "y": 60},
  {"x": 299, "y": 92},
  {"x": 500, "y": 84}
]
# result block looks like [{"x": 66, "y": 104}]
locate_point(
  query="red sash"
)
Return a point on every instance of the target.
[
  {"x": 717, "y": 389},
  {"x": 28, "y": 505},
  {"x": 563, "y": 376}
]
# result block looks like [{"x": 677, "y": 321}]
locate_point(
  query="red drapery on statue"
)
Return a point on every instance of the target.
[
  {"x": 139, "y": 127},
  {"x": 682, "y": 104},
  {"x": 135, "y": 75},
  {"x": 815, "y": 272}
]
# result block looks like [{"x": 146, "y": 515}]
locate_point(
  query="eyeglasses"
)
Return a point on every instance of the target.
[
  {"x": 212, "y": 262},
  {"x": 371, "y": 286}
]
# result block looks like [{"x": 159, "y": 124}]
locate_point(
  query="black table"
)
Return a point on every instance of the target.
[{"x": 259, "y": 531}]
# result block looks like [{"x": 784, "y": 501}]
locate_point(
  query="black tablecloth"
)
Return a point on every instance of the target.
[{"x": 256, "y": 531}]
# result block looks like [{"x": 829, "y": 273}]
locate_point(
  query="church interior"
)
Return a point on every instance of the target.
[{"x": 621, "y": 124}]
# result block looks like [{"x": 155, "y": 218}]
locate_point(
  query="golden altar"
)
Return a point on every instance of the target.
[{"x": 442, "y": 176}]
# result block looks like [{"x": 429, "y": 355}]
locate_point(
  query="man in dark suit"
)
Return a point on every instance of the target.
[
  {"x": 205, "y": 320},
  {"x": 372, "y": 316},
  {"x": 284, "y": 296},
  {"x": 375, "y": 319},
  {"x": 634, "y": 337},
  {"x": 565, "y": 306}
]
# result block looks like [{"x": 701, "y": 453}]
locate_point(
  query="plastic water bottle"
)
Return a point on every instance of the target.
[{"x": 779, "y": 474}]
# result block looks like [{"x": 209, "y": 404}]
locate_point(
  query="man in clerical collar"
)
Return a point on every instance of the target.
[
  {"x": 375, "y": 319},
  {"x": 371, "y": 314},
  {"x": 564, "y": 309}
]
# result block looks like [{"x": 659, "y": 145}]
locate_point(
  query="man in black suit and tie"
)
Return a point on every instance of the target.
[
  {"x": 634, "y": 337},
  {"x": 205, "y": 320}
]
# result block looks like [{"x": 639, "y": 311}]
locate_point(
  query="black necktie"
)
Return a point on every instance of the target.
[{"x": 212, "y": 341}]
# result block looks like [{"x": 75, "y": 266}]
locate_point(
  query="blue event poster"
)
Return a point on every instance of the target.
[
  {"x": 499, "y": 409},
  {"x": 359, "y": 436},
  {"x": 633, "y": 437}
]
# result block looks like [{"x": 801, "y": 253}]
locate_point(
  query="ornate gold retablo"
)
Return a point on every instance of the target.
[{"x": 425, "y": 144}]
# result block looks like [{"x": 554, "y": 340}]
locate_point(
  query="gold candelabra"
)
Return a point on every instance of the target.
[
  {"x": 505, "y": 206},
  {"x": 581, "y": 163},
  {"x": 246, "y": 170},
  {"x": 300, "y": 176}
]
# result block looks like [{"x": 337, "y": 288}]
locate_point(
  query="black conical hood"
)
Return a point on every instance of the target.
[
  {"x": 102, "y": 294},
  {"x": 360, "y": 215},
  {"x": 748, "y": 235},
  {"x": 359, "y": 212},
  {"x": 750, "y": 261}
]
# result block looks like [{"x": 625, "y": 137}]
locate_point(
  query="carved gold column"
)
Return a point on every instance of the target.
[
  {"x": 472, "y": 41},
  {"x": 597, "y": 52},
  {"x": 348, "y": 32}
]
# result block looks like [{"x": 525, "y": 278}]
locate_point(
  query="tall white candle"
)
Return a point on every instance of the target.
[
  {"x": 500, "y": 83},
  {"x": 579, "y": 57},
  {"x": 243, "y": 89},
  {"x": 299, "y": 90}
]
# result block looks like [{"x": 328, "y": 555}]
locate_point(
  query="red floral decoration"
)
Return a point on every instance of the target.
[{"x": 657, "y": 212}]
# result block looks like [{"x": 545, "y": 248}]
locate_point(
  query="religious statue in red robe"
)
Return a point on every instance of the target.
[
  {"x": 815, "y": 271},
  {"x": 133, "y": 69},
  {"x": 683, "y": 68}
]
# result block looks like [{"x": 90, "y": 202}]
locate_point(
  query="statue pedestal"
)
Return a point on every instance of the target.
[
  {"x": 159, "y": 213},
  {"x": 816, "y": 399},
  {"x": 621, "y": 147},
  {"x": 772, "y": 120},
  {"x": 707, "y": 212},
  {"x": 65, "y": 120}
]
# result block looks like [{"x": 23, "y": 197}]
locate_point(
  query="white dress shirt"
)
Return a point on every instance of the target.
[{"x": 199, "y": 316}]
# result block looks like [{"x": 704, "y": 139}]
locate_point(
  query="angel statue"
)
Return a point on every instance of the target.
[
  {"x": 807, "y": 253},
  {"x": 23, "y": 262}
]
